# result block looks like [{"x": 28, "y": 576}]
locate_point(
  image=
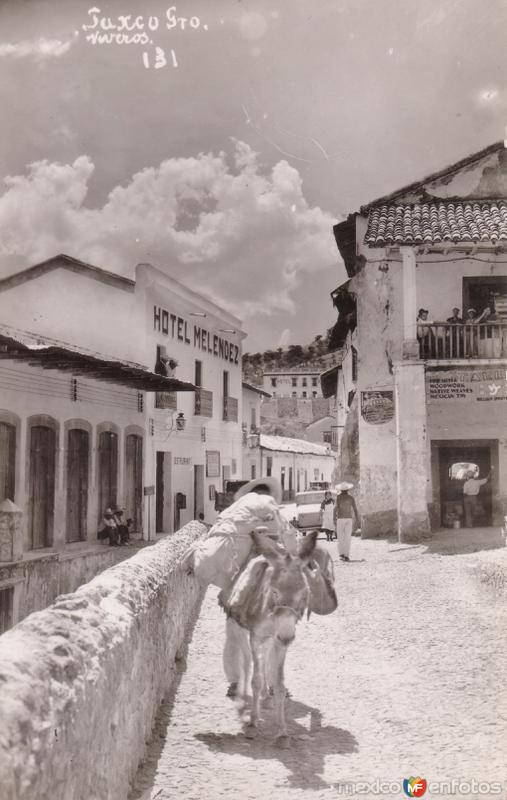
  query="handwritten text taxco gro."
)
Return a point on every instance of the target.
[{"x": 138, "y": 29}]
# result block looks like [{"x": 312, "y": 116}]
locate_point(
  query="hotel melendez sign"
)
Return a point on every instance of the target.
[
  {"x": 470, "y": 385},
  {"x": 194, "y": 335},
  {"x": 377, "y": 407}
]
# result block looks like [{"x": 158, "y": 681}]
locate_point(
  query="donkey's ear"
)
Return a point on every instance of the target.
[
  {"x": 264, "y": 545},
  {"x": 307, "y": 547}
]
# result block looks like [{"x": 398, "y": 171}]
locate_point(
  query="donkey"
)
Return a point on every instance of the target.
[{"x": 267, "y": 600}]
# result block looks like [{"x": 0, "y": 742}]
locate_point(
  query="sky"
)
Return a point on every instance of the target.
[{"x": 221, "y": 140}]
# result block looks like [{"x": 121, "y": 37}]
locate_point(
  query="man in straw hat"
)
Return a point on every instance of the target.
[
  {"x": 219, "y": 558},
  {"x": 345, "y": 511}
]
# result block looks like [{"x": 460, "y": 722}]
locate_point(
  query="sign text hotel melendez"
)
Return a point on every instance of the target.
[{"x": 194, "y": 335}]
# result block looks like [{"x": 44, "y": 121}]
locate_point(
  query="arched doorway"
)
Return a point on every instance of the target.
[
  {"x": 41, "y": 495},
  {"x": 108, "y": 471},
  {"x": 134, "y": 479},
  {"x": 78, "y": 454}
]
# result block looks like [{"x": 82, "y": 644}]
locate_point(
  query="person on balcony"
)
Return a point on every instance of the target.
[
  {"x": 490, "y": 339},
  {"x": 455, "y": 335},
  {"x": 425, "y": 335},
  {"x": 471, "y": 489}
]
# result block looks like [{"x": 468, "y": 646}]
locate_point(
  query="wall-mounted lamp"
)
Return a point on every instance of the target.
[
  {"x": 198, "y": 314},
  {"x": 177, "y": 424},
  {"x": 227, "y": 330}
]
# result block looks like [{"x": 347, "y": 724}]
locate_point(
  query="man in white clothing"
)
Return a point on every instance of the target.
[{"x": 471, "y": 489}]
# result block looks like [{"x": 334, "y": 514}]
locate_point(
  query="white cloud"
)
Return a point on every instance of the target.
[
  {"x": 237, "y": 233},
  {"x": 36, "y": 48},
  {"x": 285, "y": 338}
]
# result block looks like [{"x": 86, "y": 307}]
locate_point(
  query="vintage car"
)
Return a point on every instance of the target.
[{"x": 307, "y": 516}]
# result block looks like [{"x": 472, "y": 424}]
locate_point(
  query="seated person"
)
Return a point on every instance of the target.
[
  {"x": 121, "y": 526},
  {"x": 109, "y": 528}
]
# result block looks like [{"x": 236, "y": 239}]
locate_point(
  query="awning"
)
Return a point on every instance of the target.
[{"x": 50, "y": 354}]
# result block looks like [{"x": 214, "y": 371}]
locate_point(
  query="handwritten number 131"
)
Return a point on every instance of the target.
[{"x": 160, "y": 59}]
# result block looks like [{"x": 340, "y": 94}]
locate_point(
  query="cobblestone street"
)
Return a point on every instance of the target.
[{"x": 406, "y": 678}]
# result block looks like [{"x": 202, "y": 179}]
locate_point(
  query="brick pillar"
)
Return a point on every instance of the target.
[{"x": 412, "y": 462}]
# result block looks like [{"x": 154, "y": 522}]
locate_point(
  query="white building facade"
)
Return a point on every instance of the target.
[{"x": 90, "y": 416}]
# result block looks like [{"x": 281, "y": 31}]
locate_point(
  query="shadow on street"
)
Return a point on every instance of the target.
[{"x": 302, "y": 756}]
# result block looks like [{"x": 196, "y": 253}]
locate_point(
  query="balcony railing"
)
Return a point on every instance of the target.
[
  {"x": 230, "y": 409},
  {"x": 446, "y": 341},
  {"x": 203, "y": 403}
]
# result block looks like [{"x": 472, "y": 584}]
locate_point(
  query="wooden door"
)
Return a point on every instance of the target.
[
  {"x": 108, "y": 471},
  {"x": 7, "y": 461},
  {"x": 78, "y": 454},
  {"x": 134, "y": 479},
  {"x": 41, "y": 486}
]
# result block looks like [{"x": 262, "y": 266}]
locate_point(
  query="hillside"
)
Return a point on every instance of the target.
[{"x": 254, "y": 364}]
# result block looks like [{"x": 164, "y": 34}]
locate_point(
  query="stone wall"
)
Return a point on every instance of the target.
[
  {"x": 41, "y": 577},
  {"x": 81, "y": 681}
]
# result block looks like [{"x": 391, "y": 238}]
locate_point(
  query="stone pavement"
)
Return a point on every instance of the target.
[{"x": 407, "y": 678}]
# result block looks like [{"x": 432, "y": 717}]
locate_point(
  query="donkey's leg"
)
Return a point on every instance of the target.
[{"x": 279, "y": 651}]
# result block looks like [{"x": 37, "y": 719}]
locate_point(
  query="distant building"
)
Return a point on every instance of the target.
[
  {"x": 323, "y": 431},
  {"x": 251, "y": 415},
  {"x": 431, "y": 390},
  {"x": 295, "y": 462},
  {"x": 301, "y": 382}
]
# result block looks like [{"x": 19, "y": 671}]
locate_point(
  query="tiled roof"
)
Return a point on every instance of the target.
[
  {"x": 289, "y": 445},
  {"x": 432, "y": 223}
]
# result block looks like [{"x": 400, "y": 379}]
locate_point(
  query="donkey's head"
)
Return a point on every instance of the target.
[{"x": 285, "y": 588}]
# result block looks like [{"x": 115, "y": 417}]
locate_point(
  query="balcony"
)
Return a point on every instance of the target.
[
  {"x": 230, "y": 409},
  {"x": 166, "y": 400},
  {"x": 203, "y": 403},
  {"x": 448, "y": 341}
]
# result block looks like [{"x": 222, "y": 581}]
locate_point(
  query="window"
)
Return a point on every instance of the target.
[
  {"x": 160, "y": 362},
  {"x": 354, "y": 364},
  {"x": 253, "y": 418},
  {"x": 326, "y": 437},
  {"x": 252, "y": 471},
  {"x": 303, "y": 382},
  {"x": 314, "y": 382},
  {"x": 7, "y": 461},
  {"x": 294, "y": 394},
  {"x": 198, "y": 373},
  {"x": 314, "y": 394},
  {"x": 304, "y": 394},
  {"x": 269, "y": 466},
  {"x": 294, "y": 381},
  {"x": 273, "y": 381}
]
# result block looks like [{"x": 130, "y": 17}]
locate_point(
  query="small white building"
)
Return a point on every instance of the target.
[{"x": 295, "y": 462}]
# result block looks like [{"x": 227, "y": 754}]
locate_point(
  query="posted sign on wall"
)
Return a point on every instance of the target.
[
  {"x": 466, "y": 385},
  {"x": 377, "y": 407}
]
